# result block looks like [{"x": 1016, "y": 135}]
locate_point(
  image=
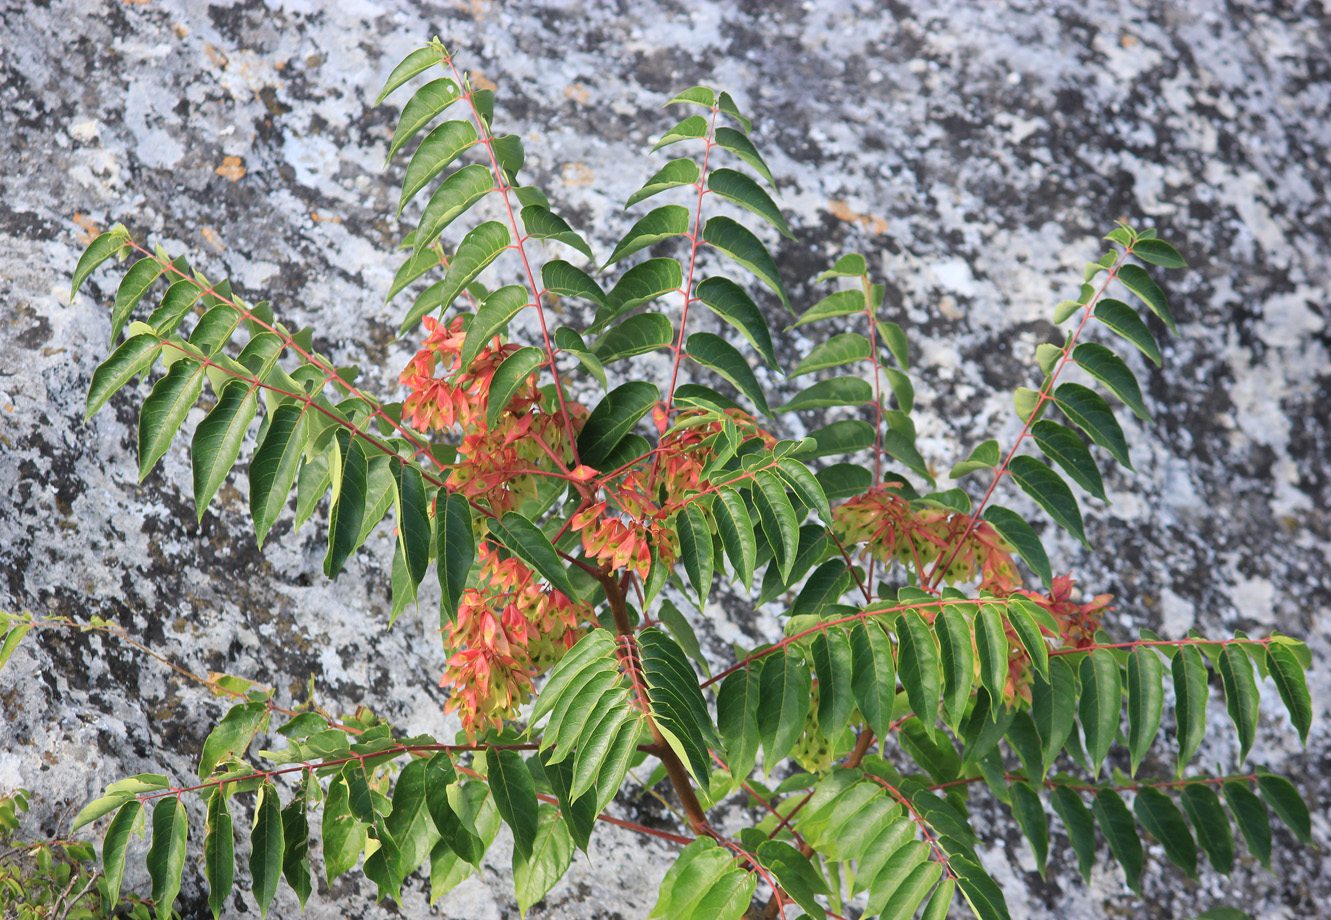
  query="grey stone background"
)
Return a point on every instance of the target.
[{"x": 974, "y": 152}]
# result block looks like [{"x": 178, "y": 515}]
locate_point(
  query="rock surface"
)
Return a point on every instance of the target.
[{"x": 975, "y": 155}]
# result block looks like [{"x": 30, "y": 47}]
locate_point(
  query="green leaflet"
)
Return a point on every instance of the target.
[
  {"x": 510, "y": 377},
  {"x": 736, "y": 242},
  {"x": 919, "y": 667},
  {"x": 535, "y": 873},
  {"x": 417, "y": 264},
  {"x": 266, "y": 848},
  {"x": 981, "y": 892},
  {"x": 1202, "y": 806},
  {"x": 735, "y": 528},
  {"x": 1032, "y": 639},
  {"x": 746, "y": 193},
  {"x": 825, "y": 586},
  {"x": 1100, "y": 705},
  {"x": 418, "y": 61},
  {"x": 796, "y": 875},
  {"x": 1127, "y": 325},
  {"x": 778, "y": 520},
  {"x": 682, "y": 632},
  {"x": 1092, "y": 415},
  {"x": 115, "y": 843},
  {"x": 695, "y": 548},
  {"x": 1162, "y": 819},
  {"x": 440, "y": 148},
  {"x": 1241, "y": 697},
  {"x": 661, "y": 224},
  {"x": 165, "y": 409},
  {"x": 805, "y": 485},
  {"x": 166, "y": 856},
  {"x": 348, "y": 509},
  {"x": 477, "y": 250},
  {"x": 1287, "y": 674},
  {"x": 992, "y": 651},
  {"x": 515, "y": 797},
  {"x": 704, "y": 882},
  {"x": 1050, "y": 492},
  {"x": 729, "y": 301},
  {"x": 1136, "y": 279},
  {"x": 429, "y": 101},
  {"x": 850, "y": 265},
  {"x": 98, "y": 807},
  {"x": 839, "y": 391},
  {"x": 413, "y": 519},
  {"x": 832, "y": 664},
  {"x": 839, "y": 349},
  {"x": 1030, "y": 816},
  {"x": 894, "y": 337},
  {"x": 1157, "y": 252},
  {"x": 492, "y": 319},
  {"x": 1065, "y": 447},
  {"x": 476, "y": 807},
  {"x": 114, "y": 242},
  {"x": 1146, "y": 700},
  {"x": 842, "y": 303},
  {"x": 525, "y": 540},
  {"x": 296, "y": 848},
  {"x": 1080, "y": 825},
  {"x": 410, "y": 823},
  {"x": 343, "y": 836},
  {"x": 718, "y": 355},
  {"x": 1286, "y": 802},
  {"x": 273, "y": 469},
  {"x": 543, "y": 224},
  {"x": 509, "y": 155},
  {"x": 957, "y": 659},
  {"x": 613, "y": 418},
  {"x": 674, "y": 174},
  {"x": 843, "y": 437},
  {"x": 985, "y": 456},
  {"x": 874, "y": 677},
  {"x": 783, "y": 702},
  {"x": 694, "y": 126},
  {"x": 1013, "y": 528},
  {"x": 1109, "y": 369},
  {"x": 1119, "y": 829},
  {"x": 559, "y": 277},
  {"x": 570, "y": 342},
  {"x": 677, "y": 702},
  {"x": 132, "y": 289},
  {"x": 232, "y": 736},
  {"x": 1250, "y": 815},
  {"x": 1190, "y": 692},
  {"x": 634, "y": 336},
  {"x": 217, "y": 440},
  {"x": 737, "y": 718},
  {"x": 579, "y": 813},
  {"x": 941, "y": 901},
  {"x": 135, "y": 355},
  {"x": 697, "y": 95},
  {"x": 740, "y": 146},
  {"x": 641, "y": 284}
]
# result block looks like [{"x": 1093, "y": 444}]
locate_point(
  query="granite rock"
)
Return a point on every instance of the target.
[{"x": 973, "y": 152}]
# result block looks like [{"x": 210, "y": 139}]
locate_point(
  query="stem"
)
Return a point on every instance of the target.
[
  {"x": 945, "y": 560},
  {"x": 502, "y": 186}
]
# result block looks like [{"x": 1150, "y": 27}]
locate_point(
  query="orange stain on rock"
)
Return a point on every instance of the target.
[
  {"x": 576, "y": 174},
  {"x": 842, "y": 211},
  {"x": 231, "y": 168}
]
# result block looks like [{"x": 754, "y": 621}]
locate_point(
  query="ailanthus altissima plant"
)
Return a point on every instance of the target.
[{"x": 931, "y": 654}]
